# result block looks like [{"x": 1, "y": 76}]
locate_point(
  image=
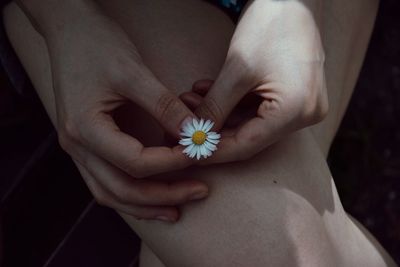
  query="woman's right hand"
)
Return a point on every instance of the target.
[{"x": 96, "y": 69}]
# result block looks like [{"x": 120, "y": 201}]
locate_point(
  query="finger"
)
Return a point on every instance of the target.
[
  {"x": 144, "y": 192},
  {"x": 191, "y": 100},
  {"x": 254, "y": 136},
  {"x": 160, "y": 102},
  {"x": 238, "y": 146},
  {"x": 201, "y": 87},
  {"x": 222, "y": 97},
  {"x": 245, "y": 109},
  {"x": 104, "y": 198},
  {"x": 104, "y": 138},
  {"x": 150, "y": 212}
]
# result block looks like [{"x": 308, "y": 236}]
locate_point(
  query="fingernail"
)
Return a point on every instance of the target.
[
  {"x": 199, "y": 195},
  {"x": 164, "y": 218}
]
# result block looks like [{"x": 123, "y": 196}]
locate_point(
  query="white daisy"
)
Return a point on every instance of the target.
[{"x": 199, "y": 140}]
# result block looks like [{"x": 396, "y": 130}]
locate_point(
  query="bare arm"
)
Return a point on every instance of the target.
[{"x": 95, "y": 69}]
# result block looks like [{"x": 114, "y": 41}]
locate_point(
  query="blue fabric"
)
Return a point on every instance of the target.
[{"x": 233, "y": 5}]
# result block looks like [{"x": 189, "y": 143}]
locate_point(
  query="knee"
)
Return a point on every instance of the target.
[
  {"x": 305, "y": 234},
  {"x": 292, "y": 234},
  {"x": 281, "y": 229}
]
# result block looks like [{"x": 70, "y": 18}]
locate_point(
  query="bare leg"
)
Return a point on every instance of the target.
[
  {"x": 279, "y": 209},
  {"x": 147, "y": 258}
]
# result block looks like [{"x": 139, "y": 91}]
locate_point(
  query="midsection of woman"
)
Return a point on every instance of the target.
[{"x": 280, "y": 208}]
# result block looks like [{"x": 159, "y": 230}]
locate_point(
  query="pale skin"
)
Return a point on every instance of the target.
[{"x": 279, "y": 208}]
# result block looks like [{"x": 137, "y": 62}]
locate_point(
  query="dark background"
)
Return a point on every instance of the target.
[
  {"x": 365, "y": 156},
  {"x": 48, "y": 217}
]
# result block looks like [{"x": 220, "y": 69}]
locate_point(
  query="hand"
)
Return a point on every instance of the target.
[
  {"x": 277, "y": 55},
  {"x": 96, "y": 69}
]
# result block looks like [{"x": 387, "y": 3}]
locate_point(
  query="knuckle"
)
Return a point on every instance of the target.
[
  {"x": 64, "y": 141},
  {"x": 67, "y": 136},
  {"x": 210, "y": 110},
  {"x": 126, "y": 64},
  {"x": 134, "y": 169},
  {"x": 257, "y": 142},
  {"x": 321, "y": 110},
  {"x": 123, "y": 196},
  {"x": 167, "y": 106},
  {"x": 270, "y": 106},
  {"x": 68, "y": 132},
  {"x": 256, "y": 138},
  {"x": 70, "y": 127},
  {"x": 316, "y": 104},
  {"x": 142, "y": 195},
  {"x": 308, "y": 116},
  {"x": 101, "y": 198}
]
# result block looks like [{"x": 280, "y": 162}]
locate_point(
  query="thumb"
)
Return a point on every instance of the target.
[
  {"x": 161, "y": 103},
  {"x": 222, "y": 97},
  {"x": 202, "y": 87}
]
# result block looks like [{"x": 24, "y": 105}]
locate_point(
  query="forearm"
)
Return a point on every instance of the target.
[
  {"x": 346, "y": 29},
  {"x": 51, "y": 17},
  {"x": 322, "y": 10}
]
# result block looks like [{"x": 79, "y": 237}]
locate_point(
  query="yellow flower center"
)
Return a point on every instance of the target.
[{"x": 199, "y": 137}]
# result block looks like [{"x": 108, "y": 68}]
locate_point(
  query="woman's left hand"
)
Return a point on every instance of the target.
[{"x": 276, "y": 54}]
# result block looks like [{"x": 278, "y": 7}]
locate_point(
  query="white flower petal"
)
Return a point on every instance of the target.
[
  {"x": 206, "y": 123},
  {"x": 207, "y": 126},
  {"x": 203, "y": 150},
  {"x": 198, "y": 152},
  {"x": 189, "y": 149},
  {"x": 210, "y": 146},
  {"x": 213, "y": 135},
  {"x": 188, "y": 128},
  {"x": 208, "y": 153},
  {"x": 186, "y": 141},
  {"x": 193, "y": 151},
  {"x": 206, "y": 149},
  {"x": 201, "y": 124},
  {"x": 191, "y": 128},
  {"x": 213, "y": 141},
  {"x": 185, "y": 134},
  {"x": 185, "y": 128},
  {"x": 195, "y": 124}
]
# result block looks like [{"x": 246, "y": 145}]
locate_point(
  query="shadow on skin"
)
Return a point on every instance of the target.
[{"x": 256, "y": 212}]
